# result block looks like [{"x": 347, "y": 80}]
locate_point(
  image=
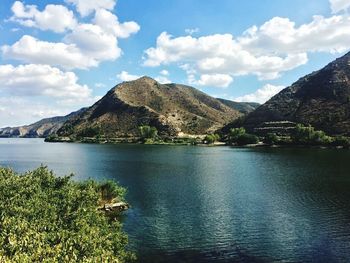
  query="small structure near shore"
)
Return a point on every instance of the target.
[{"x": 114, "y": 207}]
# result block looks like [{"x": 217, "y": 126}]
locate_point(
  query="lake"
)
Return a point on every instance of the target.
[{"x": 214, "y": 204}]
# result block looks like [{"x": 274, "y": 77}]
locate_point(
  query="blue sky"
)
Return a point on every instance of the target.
[{"x": 59, "y": 55}]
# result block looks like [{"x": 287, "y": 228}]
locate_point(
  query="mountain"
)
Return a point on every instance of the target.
[
  {"x": 42, "y": 128},
  {"x": 321, "y": 99},
  {"x": 243, "y": 107},
  {"x": 173, "y": 109}
]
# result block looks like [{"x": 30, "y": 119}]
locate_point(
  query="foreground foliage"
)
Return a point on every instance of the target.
[{"x": 44, "y": 218}]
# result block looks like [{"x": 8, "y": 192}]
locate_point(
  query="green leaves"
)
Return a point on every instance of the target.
[{"x": 44, "y": 218}]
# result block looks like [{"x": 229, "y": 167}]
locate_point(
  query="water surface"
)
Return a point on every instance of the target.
[{"x": 215, "y": 204}]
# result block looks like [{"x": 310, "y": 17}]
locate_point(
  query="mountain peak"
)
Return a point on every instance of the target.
[{"x": 321, "y": 99}]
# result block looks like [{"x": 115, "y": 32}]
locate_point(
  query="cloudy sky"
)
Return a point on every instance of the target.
[{"x": 59, "y": 55}]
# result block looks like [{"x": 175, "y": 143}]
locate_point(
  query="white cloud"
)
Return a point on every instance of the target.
[
  {"x": 94, "y": 43},
  {"x": 31, "y": 50},
  {"x": 214, "y": 80},
  {"x": 277, "y": 46},
  {"x": 109, "y": 22},
  {"x": 41, "y": 80},
  {"x": 100, "y": 85},
  {"x": 282, "y": 36},
  {"x": 163, "y": 80},
  {"x": 54, "y": 17},
  {"x": 339, "y": 5},
  {"x": 218, "y": 54},
  {"x": 86, "y": 7},
  {"x": 84, "y": 46},
  {"x": 164, "y": 72},
  {"x": 191, "y": 31},
  {"x": 31, "y": 92},
  {"x": 19, "y": 111},
  {"x": 125, "y": 76},
  {"x": 261, "y": 95}
]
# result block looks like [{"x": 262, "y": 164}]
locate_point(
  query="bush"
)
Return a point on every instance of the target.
[
  {"x": 271, "y": 139},
  {"x": 341, "y": 141},
  {"x": 89, "y": 132},
  {"x": 306, "y": 135},
  {"x": 247, "y": 139},
  {"x": 211, "y": 138},
  {"x": 44, "y": 218},
  {"x": 147, "y": 132},
  {"x": 235, "y": 133}
]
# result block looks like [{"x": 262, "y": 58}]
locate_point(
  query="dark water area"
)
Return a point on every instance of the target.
[{"x": 214, "y": 204}]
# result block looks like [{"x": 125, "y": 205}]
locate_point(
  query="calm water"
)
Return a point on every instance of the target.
[{"x": 198, "y": 204}]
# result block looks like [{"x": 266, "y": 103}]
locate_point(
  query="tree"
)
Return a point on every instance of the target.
[
  {"x": 45, "y": 218},
  {"x": 247, "y": 139},
  {"x": 211, "y": 138},
  {"x": 235, "y": 133},
  {"x": 148, "y": 132},
  {"x": 271, "y": 139},
  {"x": 306, "y": 135}
]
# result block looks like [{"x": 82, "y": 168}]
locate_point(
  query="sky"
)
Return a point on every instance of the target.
[{"x": 57, "y": 56}]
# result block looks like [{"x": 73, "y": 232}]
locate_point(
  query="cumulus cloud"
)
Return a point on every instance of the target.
[
  {"x": 20, "y": 111},
  {"x": 214, "y": 80},
  {"x": 282, "y": 36},
  {"x": 163, "y": 80},
  {"x": 126, "y": 76},
  {"x": 86, "y": 7},
  {"x": 191, "y": 31},
  {"x": 277, "y": 46},
  {"x": 219, "y": 54},
  {"x": 54, "y": 17},
  {"x": 31, "y": 50},
  {"x": 261, "y": 95},
  {"x": 31, "y": 92},
  {"x": 164, "y": 72},
  {"x": 41, "y": 80},
  {"x": 109, "y": 22},
  {"x": 339, "y": 5},
  {"x": 85, "y": 45}
]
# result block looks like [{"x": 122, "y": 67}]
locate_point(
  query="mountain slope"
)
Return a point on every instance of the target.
[
  {"x": 243, "y": 107},
  {"x": 173, "y": 109},
  {"x": 321, "y": 99},
  {"x": 42, "y": 128}
]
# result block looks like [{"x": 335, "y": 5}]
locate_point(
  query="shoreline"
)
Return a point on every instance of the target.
[{"x": 117, "y": 141}]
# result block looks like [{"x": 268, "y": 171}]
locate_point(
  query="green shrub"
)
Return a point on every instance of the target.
[
  {"x": 235, "y": 133},
  {"x": 211, "y": 138},
  {"x": 148, "y": 132},
  {"x": 341, "y": 141},
  {"x": 44, "y": 218},
  {"x": 89, "y": 132},
  {"x": 271, "y": 139},
  {"x": 306, "y": 135},
  {"x": 247, "y": 139}
]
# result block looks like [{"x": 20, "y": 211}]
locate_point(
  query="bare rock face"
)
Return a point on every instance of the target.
[
  {"x": 321, "y": 99},
  {"x": 171, "y": 108}
]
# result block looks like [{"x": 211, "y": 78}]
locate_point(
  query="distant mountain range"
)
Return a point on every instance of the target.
[
  {"x": 172, "y": 108},
  {"x": 42, "y": 128},
  {"x": 321, "y": 99}
]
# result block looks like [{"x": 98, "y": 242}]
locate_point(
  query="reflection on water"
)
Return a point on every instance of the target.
[{"x": 198, "y": 204}]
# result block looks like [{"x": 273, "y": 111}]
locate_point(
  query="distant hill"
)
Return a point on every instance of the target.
[
  {"x": 243, "y": 107},
  {"x": 321, "y": 99},
  {"x": 42, "y": 128},
  {"x": 173, "y": 109}
]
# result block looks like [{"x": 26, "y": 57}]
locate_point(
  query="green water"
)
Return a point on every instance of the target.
[{"x": 215, "y": 204}]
